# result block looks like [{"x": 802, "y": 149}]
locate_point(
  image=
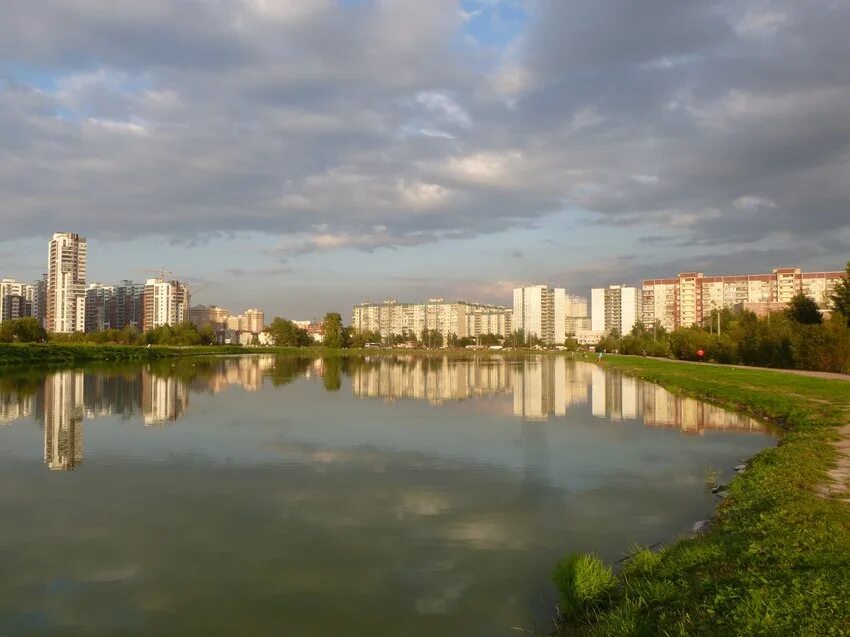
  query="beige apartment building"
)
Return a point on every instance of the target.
[
  {"x": 66, "y": 283},
  {"x": 203, "y": 315},
  {"x": 460, "y": 318},
  {"x": 691, "y": 296},
  {"x": 251, "y": 320},
  {"x": 165, "y": 303}
]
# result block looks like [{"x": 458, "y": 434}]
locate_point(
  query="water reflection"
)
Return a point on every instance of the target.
[
  {"x": 541, "y": 387},
  {"x": 317, "y": 493}
]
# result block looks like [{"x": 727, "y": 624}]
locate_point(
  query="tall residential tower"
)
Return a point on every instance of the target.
[{"x": 66, "y": 283}]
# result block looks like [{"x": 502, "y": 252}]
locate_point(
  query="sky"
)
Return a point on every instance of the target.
[{"x": 305, "y": 155}]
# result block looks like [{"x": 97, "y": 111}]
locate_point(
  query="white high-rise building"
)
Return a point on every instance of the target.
[
  {"x": 615, "y": 308},
  {"x": 541, "y": 312},
  {"x": 66, "y": 283},
  {"x": 166, "y": 303}
]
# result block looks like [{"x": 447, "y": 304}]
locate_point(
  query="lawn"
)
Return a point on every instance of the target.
[{"x": 776, "y": 560}]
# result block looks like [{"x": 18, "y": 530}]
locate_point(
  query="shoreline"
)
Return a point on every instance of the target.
[{"x": 775, "y": 556}]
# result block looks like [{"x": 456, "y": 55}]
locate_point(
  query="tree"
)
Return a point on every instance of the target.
[
  {"x": 285, "y": 333},
  {"x": 804, "y": 310},
  {"x": 432, "y": 338},
  {"x": 23, "y": 330},
  {"x": 517, "y": 338},
  {"x": 332, "y": 326},
  {"x": 841, "y": 296}
]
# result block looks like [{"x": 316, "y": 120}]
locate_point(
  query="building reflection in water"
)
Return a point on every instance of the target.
[
  {"x": 63, "y": 420},
  {"x": 542, "y": 387},
  {"x": 158, "y": 393}
]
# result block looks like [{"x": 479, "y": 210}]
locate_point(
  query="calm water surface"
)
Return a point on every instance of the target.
[{"x": 378, "y": 496}]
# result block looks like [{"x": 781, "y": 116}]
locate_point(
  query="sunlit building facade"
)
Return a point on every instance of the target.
[
  {"x": 66, "y": 283},
  {"x": 450, "y": 318},
  {"x": 615, "y": 309},
  {"x": 165, "y": 303},
  {"x": 689, "y": 298},
  {"x": 541, "y": 312}
]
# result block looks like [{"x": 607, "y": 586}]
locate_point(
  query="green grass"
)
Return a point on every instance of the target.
[
  {"x": 777, "y": 558},
  {"x": 73, "y": 354}
]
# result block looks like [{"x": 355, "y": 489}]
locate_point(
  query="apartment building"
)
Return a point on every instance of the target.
[
  {"x": 459, "y": 318},
  {"x": 690, "y": 297},
  {"x": 17, "y": 299},
  {"x": 203, "y": 315},
  {"x": 577, "y": 317},
  {"x": 615, "y": 308},
  {"x": 252, "y": 320},
  {"x": 165, "y": 303},
  {"x": 66, "y": 283},
  {"x": 114, "y": 306},
  {"x": 541, "y": 312},
  {"x": 99, "y": 307}
]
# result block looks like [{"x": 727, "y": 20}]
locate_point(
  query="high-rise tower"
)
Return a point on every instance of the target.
[{"x": 66, "y": 283}]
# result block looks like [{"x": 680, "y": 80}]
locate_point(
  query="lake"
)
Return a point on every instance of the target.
[{"x": 401, "y": 495}]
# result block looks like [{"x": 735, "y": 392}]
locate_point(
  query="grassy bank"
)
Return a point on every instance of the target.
[
  {"x": 776, "y": 560},
  {"x": 72, "y": 354}
]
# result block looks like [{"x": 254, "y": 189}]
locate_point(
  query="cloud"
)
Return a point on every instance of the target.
[
  {"x": 722, "y": 123},
  {"x": 443, "y": 105}
]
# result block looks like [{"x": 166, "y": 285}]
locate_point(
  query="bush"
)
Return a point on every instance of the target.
[{"x": 583, "y": 582}]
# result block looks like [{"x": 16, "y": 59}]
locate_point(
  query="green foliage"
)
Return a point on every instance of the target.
[
  {"x": 431, "y": 338},
  {"x": 776, "y": 558},
  {"x": 22, "y": 354},
  {"x": 285, "y": 333},
  {"x": 804, "y": 310},
  {"x": 517, "y": 339},
  {"x": 841, "y": 297},
  {"x": 795, "y": 339},
  {"x": 358, "y": 340},
  {"x": 334, "y": 333},
  {"x": 182, "y": 334},
  {"x": 583, "y": 582},
  {"x": 23, "y": 330}
]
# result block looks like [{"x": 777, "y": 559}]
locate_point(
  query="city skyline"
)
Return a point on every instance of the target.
[
  {"x": 63, "y": 301},
  {"x": 457, "y": 149}
]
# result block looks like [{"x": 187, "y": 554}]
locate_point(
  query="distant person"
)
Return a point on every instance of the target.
[{"x": 599, "y": 358}]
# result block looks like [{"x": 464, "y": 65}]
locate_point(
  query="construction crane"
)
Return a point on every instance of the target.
[{"x": 161, "y": 272}]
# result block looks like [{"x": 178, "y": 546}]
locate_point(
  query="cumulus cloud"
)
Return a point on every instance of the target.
[{"x": 726, "y": 121}]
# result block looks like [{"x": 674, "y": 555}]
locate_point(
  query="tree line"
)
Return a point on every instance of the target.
[{"x": 800, "y": 337}]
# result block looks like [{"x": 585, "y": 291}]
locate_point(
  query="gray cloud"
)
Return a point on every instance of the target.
[{"x": 372, "y": 126}]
